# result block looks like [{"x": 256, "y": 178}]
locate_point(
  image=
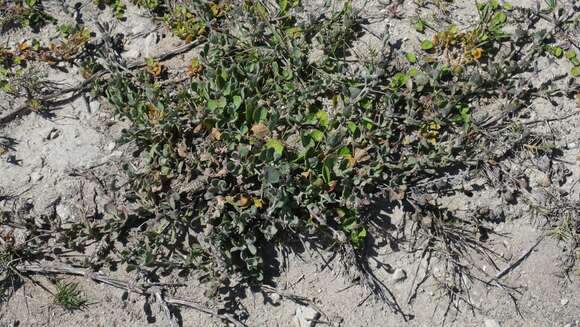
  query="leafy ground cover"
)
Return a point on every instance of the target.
[{"x": 277, "y": 136}]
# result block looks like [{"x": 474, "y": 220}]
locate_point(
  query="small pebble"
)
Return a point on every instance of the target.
[
  {"x": 132, "y": 53},
  {"x": 564, "y": 301},
  {"x": 111, "y": 146},
  {"x": 544, "y": 164},
  {"x": 491, "y": 323},
  {"x": 95, "y": 105},
  {"x": 544, "y": 181},
  {"x": 305, "y": 317},
  {"x": 275, "y": 298},
  {"x": 399, "y": 275}
]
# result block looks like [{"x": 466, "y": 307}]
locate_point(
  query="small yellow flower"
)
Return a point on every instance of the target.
[
  {"x": 23, "y": 46},
  {"x": 477, "y": 53},
  {"x": 258, "y": 203}
]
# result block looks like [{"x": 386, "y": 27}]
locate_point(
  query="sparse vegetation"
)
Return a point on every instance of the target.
[
  {"x": 280, "y": 134},
  {"x": 117, "y": 6},
  {"x": 22, "y": 13},
  {"x": 68, "y": 296}
]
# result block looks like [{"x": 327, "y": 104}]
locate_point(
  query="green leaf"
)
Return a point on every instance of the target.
[
  {"x": 317, "y": 135},
  {"x": 420, "y": 26},
  {"x": 260, "y": 115},
  {"x": 362, "y": 233},
  {"x": 219, "y": 103},
  {"x": 283, "y": 6},
  {"x": 411, "y": 57},
  {"x": 570, "y": 54},
  {"x": 399, "y": 79},
  {"x": 323, "y": 118},
  {"x": 575, "y": 61},
  {"x": 575, "y": 71},
  {"x": 293, "y": 31},
  {"x": 272, "y": 175},
  {"x": 499, "y": 18},
  {"x": 212, "y": 104},
  {"x": 557, "y": 52},
  {"x": 351, "y": 127},
  {"x": 252, "y": 248},
  {"x": 237, "y": 101},
  {"x": 276, "y": 145},
  {"x": 344, "y": 152},
  {"x": 327, "y": 168},
  {"x": 426, "y": 45}
]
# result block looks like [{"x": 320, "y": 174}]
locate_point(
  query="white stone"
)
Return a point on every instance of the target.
[
  {"x": 491, "y": 323},
  {"x": 149, "y": 44},
  {"x": 275, "y": 298},
  {"x": 64, "y": 213},
  {"x": 399, "y": 275},
  {"x": 132, "y": 53},
  {"x": 111, "y": 146},
  {"x": 95, "y": 106},
  {"x": 305, "y": 317}
]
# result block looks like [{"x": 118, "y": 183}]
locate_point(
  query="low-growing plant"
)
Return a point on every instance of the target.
[
  {"x": 23, "y": 13},
  {"x": 185, "y": 21},
  {"x": 152, "y": 5},
  {"x": 68, "y": 296},
  {"x": 18, "y": 71},
  {"x": 281, "y": 134},
  {"x": 117, "y": 6},
  {"x": 268, "y": 143}
]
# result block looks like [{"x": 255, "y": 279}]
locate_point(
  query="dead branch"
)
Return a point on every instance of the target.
[{"x": 517, "y": 262}]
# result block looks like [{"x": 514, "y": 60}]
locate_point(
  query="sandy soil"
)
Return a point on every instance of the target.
[{"x": 82, "y": 135}]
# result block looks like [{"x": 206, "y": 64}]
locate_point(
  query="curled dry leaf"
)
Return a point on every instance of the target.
[
  {"x": 216, "y": 134},
  {"x": 260, "y": 130},
  {"x": 182, "y": 150},
  {"x": 361, "y": 155}
]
